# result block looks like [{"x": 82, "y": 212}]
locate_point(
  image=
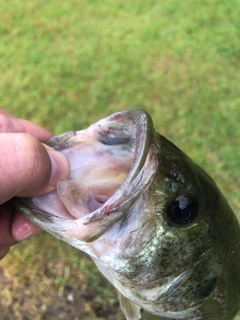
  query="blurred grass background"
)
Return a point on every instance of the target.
[{"x": 66, "y": 64}]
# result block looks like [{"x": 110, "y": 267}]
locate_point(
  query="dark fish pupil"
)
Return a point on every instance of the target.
[
  {"x": 183, "y": 210},
  {"x": 181, "y": 213}
]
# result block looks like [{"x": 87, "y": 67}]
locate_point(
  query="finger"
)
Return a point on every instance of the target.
[
  {"x": 8, "y": 123},
  {"x": 35, "y": 130},
  {"x": 4, "y": 251},
  {"x": 22, "y": 228},
  {"x": 6, "y": 215},
  {"x": 27, "y": 168}
]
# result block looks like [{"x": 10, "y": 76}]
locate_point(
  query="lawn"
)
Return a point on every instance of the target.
[{"x": 66, "y": 64}]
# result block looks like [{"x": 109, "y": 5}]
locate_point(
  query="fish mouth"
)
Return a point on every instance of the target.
[{"x": 107, "y": 161}]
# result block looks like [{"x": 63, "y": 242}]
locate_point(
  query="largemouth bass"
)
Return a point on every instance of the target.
[{"x": 154, "y": 222}]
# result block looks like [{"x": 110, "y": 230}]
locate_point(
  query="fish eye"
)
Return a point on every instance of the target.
[{"x": 182, "y": 210}]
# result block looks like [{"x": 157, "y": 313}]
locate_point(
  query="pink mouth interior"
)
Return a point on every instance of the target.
[{"x": 101, "y": 158}]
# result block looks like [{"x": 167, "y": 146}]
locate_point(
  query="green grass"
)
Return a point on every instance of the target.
[{"x": 66, "y": 64}]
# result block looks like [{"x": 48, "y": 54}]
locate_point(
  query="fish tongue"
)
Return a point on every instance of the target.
[{"x": 78, "y": 200}]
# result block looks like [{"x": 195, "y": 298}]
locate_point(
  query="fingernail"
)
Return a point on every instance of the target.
[
  {"x": 60, "y": 167},
  {"x": 26, "y": 230}
]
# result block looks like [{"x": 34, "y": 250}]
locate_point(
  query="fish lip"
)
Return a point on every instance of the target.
[
  {"x": 128, "y": 192},
  {"x": 143, "y": 139}
]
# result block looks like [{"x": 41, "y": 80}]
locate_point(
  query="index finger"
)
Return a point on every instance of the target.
[{"x": 8, "y": 124}]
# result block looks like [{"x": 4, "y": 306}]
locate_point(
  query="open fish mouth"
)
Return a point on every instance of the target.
[{"x": 106, "y": 162}]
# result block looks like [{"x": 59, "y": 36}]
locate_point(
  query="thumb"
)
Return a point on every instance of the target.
[{"x": 27, "y": 167}]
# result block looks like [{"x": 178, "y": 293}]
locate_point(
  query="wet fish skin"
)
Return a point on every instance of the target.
[{"x": 172, "y": 268}]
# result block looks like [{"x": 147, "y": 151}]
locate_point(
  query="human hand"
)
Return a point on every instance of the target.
[{"x": 27, "y": 168}]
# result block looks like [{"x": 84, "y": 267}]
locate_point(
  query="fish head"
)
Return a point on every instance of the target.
[{"x": 151, "y": 219}]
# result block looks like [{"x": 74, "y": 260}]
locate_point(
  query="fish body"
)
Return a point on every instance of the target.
[{"x": 153, "y": 221}]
